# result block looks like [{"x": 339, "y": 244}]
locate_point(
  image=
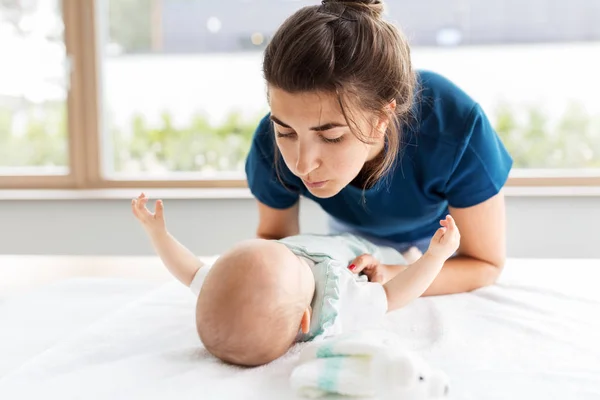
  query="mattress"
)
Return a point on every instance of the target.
[{"x": 533, "y": 335}]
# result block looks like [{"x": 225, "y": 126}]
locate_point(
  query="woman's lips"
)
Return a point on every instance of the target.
[{"x": 314, "y": 185}]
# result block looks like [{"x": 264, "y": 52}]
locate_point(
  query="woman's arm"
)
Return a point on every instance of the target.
[
  {"x": 276, "y": 223},
  {"x": 482, "y": 252}
]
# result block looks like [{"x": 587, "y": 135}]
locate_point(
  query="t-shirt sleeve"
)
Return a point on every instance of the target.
[
  {"x": 481, "y": 165},
  {"x": 275, "y": 191}
]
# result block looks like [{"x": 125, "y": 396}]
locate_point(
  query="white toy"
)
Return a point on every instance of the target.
[{"x": 366, "y": 364}]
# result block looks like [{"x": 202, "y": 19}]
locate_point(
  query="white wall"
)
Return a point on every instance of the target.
[{"x": 538, "y": 226}]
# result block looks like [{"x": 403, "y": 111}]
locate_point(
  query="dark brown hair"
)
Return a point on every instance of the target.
[{"x": 346, "y": 48}]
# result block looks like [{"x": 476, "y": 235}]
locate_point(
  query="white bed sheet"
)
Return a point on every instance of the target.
[
  {"x": 32, "y": 323},
  {"x": 534, "y": 335}
]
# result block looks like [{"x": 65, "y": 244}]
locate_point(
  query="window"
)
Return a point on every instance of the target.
[
  {"x": 33, "y": 91},
  {"x": 182, "y": 88},
  {"x": 166, "y": 93},
  {"x": 528, "y": 63}
]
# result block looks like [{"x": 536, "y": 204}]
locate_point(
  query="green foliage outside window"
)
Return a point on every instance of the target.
[{"x": 38, "y": 137}]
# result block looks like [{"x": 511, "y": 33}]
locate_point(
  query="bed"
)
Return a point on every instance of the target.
[{"x": 533, "y": 335}]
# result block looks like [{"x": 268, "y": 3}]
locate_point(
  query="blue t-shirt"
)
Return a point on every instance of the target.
[{"x": 450, "y": 156}]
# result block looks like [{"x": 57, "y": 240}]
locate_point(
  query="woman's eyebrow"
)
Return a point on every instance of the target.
[{"x": 324, "y": 127}]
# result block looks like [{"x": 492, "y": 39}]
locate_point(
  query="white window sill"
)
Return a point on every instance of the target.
[{"x": 244, "y": 193}]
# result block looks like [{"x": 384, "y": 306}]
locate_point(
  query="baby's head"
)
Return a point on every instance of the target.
[{"x": 253, "y": 303}]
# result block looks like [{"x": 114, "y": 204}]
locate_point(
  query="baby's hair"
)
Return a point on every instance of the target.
[
  {"x": 250, "y": 324},
  {"x": 346, "y": 48},
  {"x": 272, "y": 337}
]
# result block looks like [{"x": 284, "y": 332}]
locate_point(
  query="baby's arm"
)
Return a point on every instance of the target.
[
  {"x": 179, "y": 260},
  {"x": 412, "y": 282}
]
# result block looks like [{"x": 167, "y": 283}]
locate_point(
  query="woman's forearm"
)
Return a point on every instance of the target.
[{"x": 463, "y": 274}]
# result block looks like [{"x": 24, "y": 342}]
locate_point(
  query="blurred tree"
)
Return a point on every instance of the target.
[
  {"x": 41, "y": 142},
  {"x": 40, "y": 139},
  {"x": 572, "y": 142},
  {"x": 199, "y": 146},
  {"x": 526, "y": 141},
  {"x": 578, "y": 138}
]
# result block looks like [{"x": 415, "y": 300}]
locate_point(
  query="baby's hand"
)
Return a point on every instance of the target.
[
  {"x": 152, "y": 222},
  {"x": 446, "y": 240}
]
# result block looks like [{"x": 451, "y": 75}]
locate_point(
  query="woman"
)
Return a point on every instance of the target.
[{"x": 386, "y": 151}]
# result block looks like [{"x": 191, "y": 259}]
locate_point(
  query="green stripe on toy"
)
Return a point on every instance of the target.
[{"x": 328, "y": 381}]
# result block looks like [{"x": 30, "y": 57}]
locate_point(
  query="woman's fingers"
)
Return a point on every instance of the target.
[{"x": 360, "y": 263}]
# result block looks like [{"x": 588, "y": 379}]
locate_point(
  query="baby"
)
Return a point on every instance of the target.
[{"x": 262, "y": 296}]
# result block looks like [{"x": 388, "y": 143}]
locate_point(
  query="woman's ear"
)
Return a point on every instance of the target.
[
  {"x": 384, "y": 120},
  {"x": 305, "y": 321},
  {"x": 392, "y": 105}
]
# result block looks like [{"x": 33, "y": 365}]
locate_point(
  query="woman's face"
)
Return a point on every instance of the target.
[{"x": 316, "y": 142}]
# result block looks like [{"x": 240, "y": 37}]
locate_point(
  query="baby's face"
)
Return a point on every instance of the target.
[{"x": 252, "y": 302}]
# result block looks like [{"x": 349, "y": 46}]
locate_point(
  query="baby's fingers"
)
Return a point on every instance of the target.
[
  {"x": 140, "y": 209},
  {"x": 159, "y": 209},
  {"x": 142, "y": 200},
  {"x": 134, "y": 208},
  {"x": 452, "y": 228},
  {"x": 451, "y": 222},
  {"x": 439, "y": 234}
]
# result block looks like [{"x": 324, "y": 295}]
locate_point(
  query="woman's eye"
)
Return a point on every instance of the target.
[
  {"x": 333, "y": 140},
  {"x": 285, "y": 135}
]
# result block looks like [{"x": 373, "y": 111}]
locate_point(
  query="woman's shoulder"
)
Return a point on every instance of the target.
[
  {"x": 443, "y": 110},
  {"x": 434, "y": 85}
]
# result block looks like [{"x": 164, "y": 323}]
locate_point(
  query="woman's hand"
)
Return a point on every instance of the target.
[
  {"x": 382, "y": 273},
  {"x": 153, "y": 222},
  {"x": 373, "y": 269}
]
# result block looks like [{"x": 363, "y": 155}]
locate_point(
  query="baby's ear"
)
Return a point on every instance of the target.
[{"x": 305, "y": 322}]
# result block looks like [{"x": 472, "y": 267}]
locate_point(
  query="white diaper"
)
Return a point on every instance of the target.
[{"x": 343, "y": 300}]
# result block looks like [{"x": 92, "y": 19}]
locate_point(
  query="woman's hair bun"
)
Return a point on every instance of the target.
[{"x": 375, "y": 7}]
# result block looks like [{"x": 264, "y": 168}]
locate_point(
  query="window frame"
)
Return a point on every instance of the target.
[{"x": 84, "y": 141}]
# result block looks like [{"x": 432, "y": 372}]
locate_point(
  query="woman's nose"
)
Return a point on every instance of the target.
[{"x": 306, "y": 163}]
